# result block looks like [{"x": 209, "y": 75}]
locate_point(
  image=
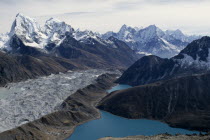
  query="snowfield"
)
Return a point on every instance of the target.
[{"x": 34, "y": 98}]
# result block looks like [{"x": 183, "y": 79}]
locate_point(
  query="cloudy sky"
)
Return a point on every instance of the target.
[{"x": 191, "y": 16}]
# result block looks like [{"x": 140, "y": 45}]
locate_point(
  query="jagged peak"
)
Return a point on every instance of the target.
[
  {"x": 54, "y": 25},
  {"x": 152, "y": 26},
  {"x": 24, "y": 24},
  {"x": 150, "y": 32},
  {"x": 53, "y": 20},
  {"x": 126, "y": 28},
  {"x": 21, "y": 15},
  {"x": 175, "y": 32}
]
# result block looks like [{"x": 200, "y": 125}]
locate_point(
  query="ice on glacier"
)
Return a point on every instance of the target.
[{"x": 34, "y": 98}]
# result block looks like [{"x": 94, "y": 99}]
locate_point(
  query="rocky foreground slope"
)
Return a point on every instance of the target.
[
  {"x": 161, "y": 137},
  {"x": 76, "y": 109},
  {"x": 181, "y": 102}
]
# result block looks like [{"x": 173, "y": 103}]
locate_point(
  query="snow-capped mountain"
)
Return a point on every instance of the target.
[
  {"x": 196, "y": 55},
  {"x": 153, "y": 40},
  {"x": 194, "y": 59},
  {"x": 56, "y": 30},
  {"x": 31, "y": 34},
  {"x": 147, "y": 41},
  {"x": 56, "y": 38},
  {"x": 87, "y": 36},
  {"x": 45, "y": 38},
  {"x": 27, "y": 30}
]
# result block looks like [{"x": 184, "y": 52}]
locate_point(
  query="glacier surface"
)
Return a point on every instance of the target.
[{"x": 29, "y": 100}]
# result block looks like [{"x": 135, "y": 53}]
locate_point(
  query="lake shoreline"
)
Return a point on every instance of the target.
[{"x": 82, "y": 128}]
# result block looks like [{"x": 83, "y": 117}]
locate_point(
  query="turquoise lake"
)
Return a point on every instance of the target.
[{"x": 111, "y": 125}]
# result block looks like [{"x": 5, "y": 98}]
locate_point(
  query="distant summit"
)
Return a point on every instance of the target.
[{"x": 152, "y": 40}]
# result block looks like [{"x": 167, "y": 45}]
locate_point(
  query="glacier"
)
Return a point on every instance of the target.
[{"x": 29, "y": 100}]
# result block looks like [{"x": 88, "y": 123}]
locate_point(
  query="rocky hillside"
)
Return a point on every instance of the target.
[
  {"x": 181, "y": 102},
  {"x": 14, "y": 68},
  {"x": 195, "y": 58}
]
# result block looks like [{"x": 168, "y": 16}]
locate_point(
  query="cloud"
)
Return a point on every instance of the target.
[{"x": 103, "y": 15}]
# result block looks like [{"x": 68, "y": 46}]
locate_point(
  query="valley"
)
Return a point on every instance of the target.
[
  {"x": 58, "y": 82},
  {"x": 60, "y": 120}
]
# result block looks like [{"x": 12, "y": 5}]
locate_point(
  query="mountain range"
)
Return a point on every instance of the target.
[
  {"x": 152, "y": 40},
  {"x": 146, "y": 41},
  {"x": 58, "y": 46}
]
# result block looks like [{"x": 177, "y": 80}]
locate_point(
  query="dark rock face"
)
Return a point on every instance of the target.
[
  {"x": 19, "y": 48},
  {"x": 181, "y": 102},
  {"x": 76, "y": 109},
  {"x": 197, "y": 49},
  {"x": 147, "y": 70},
  {"x": 11, "y": 70},
  {"x": 152, "y": 68}
]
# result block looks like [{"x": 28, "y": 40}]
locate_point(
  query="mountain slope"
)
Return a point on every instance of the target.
[
  {"x": 59, "y": 39},
  {"x": 195, "y": 58},
  {"x": 15, "y": 68},
  {"x": 181, "y": 102}
]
